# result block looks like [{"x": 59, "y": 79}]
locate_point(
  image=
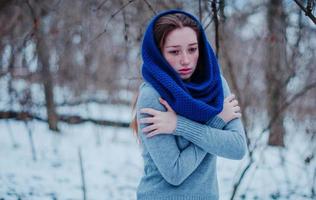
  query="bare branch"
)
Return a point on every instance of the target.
[
  {"x": 243, "y": 174},
  {"x": 200, "y": 10},
  {"x": 214, "y": 10},
  {"x": 100, "y": 6},
  {"x": 109, "y": 20},
  {"x": 307, "y": 11},
  {"x": 82, "y": 174},
  {"x": 150, "y": 7},
  {"x": 207, "y": 25}
]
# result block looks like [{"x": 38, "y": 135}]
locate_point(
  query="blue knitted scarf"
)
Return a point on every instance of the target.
[{"x": 201, "y": 98}]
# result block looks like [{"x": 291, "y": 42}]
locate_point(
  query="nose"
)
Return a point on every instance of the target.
[{"x": 185, "y": 60}]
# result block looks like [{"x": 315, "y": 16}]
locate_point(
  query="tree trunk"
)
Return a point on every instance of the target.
[
  {"x": 275, "y": 70},
  {"x": 43, "y": 57},
  {"x": 43, "y": 54}
]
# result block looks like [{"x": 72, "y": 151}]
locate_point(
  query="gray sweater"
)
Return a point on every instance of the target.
[{"x": 182, "y": 165}]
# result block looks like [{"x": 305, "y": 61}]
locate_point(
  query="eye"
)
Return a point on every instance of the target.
[
  {"x": 174, "y": 52},
  {"x": 192, "y": 49}
]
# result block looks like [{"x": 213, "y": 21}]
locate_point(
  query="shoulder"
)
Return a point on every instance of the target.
[
  {"x": 147, "y": 91},
  {"x": 148, "y": 96}
]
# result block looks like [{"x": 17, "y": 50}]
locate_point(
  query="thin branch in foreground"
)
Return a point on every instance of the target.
[
  {"x": 30, "y": 134},
  {"x": 307, "y": 10},
  {"x": 313, "y": 192},
  {"x": 14, "y": 143},
  {"x": 83, "y": 182},
  {"x": 243, "y": 174}
]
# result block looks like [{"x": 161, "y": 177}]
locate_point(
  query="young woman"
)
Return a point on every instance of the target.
[{"x": 185, "y": 115}]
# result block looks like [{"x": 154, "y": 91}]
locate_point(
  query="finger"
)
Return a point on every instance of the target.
[
  {"x": 153, "y": 133},
  {"x": 147, "y": 120},
  {"x": 236, "y": 109},
  {"x": 234, "y": 102},
  {"x": 238, "y": 115},
  {"x": 149, "y": 111},
  {"x": 165, "y": 103},
  {"x": 148, "y": 129},
  {"x": 230, "y": 98}
]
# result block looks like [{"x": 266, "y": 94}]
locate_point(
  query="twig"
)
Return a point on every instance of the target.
[
  {"x": 100, "y": 6},
  {"x": 97, "y": 135},
  {"x": 126, "y": 25},
  {"x": 14, "y": 143},
  {"x": 307, "y": 10},
  {"x": 214, "y": 10},
  {"x": 313, "y": 191},
  {"x": 30, "y": 133},
  {"x": 243, "y": 174},
  {"x": 109, "y": 20},
  {"x": 150, "y": 7},
  {"x": 203, "y": 21},
  {"x": 295, "y": 52},
  {"x": 82, "y": 175},
  {"x": 200, "y": 10}
]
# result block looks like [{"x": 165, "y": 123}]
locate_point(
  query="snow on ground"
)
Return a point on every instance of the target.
[
  {"x": 111, "y": 161},
  {"x": 113, "y": 165}
]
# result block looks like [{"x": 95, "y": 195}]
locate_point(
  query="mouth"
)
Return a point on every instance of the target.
[{"x": 185, "y": 71}]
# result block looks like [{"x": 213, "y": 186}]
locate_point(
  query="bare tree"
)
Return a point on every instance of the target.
[
  {"x": 38, "y": 13},
  {"x": 276, "y": 70}
]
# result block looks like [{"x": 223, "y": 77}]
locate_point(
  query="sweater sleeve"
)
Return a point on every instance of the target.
[
  {"x": 175, "y": 165},
  {"x": 228, "y": 141}
]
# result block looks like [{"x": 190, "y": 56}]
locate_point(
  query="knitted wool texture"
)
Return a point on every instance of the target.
[{"x": 202, "y": 97}]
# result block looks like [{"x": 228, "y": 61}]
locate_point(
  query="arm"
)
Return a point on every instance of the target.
[
  {"x": 229, "y": 142},
  {"x": 174, "y": 165}
]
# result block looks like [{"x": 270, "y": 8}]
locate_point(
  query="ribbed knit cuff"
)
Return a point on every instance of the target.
[
  {"x": 189, "y": 129},
  {"x": 216, "y": 122}
]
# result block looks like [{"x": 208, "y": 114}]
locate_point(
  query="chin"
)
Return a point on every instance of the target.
[{"x": 186, "y": 78}]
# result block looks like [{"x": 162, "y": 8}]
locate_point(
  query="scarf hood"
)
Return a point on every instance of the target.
[{"x": 200, "y": 99}]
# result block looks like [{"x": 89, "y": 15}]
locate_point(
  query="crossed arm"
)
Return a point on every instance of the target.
[{"x": 175, "y": 165}]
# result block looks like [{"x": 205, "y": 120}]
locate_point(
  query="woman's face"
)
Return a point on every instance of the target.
[{"x": 181, "y": 51}]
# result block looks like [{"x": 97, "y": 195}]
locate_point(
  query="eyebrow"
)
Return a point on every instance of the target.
[{"x": 191, "y": 44}]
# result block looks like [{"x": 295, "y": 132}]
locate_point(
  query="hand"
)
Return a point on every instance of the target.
[
  {"x": 160, "y": 122},
  {"x": 231, "y": 110}
]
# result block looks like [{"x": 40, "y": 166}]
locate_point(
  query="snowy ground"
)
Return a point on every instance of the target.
[
  {"x": 113, "y": 165},
  {"x": 111, "y": 161}
]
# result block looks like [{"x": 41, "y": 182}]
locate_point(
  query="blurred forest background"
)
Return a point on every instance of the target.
[{"x": 91, "y": 49}]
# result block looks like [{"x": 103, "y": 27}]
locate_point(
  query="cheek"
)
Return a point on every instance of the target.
[
  {"x": 195, "y": 58},
  {"x": 197, "y": 55},
  {"x": 173, "y": 61}
]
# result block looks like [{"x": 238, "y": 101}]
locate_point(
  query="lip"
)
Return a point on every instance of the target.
[{"x": 185, "y": 71}]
